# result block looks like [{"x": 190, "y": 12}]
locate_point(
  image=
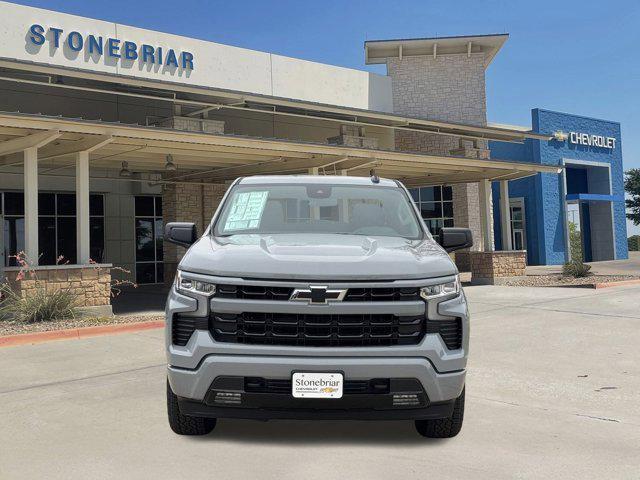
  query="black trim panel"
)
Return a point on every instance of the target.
[{"x": 198, "y": 409}]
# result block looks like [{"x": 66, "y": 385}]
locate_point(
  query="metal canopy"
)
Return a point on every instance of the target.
[
  {"x": 205, "y": 158},
  {"x": 197, "y": 100}
]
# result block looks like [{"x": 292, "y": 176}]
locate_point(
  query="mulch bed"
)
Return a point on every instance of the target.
[
  {"x": 562, "y": 281},
  {"x": 16, "y": 328}
]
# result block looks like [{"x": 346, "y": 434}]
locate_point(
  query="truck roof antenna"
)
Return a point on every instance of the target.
[{"x": 374, "y": 178}]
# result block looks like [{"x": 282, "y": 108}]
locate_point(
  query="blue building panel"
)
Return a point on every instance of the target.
[{"x": 592, "y": 146}]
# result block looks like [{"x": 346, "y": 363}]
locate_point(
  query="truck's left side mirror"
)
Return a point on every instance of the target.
[
  {"x": 455, "y": 238},
  {"x": 181, "y": 233}
]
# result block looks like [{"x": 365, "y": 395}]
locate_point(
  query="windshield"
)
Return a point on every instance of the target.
[{"x": 318, "y": 208}]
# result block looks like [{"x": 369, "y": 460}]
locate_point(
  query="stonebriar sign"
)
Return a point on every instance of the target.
[{"x": 115, "y": 48}]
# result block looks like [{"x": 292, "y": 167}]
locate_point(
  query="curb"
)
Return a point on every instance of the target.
[
  {"x": 82, "y": 332},
  {"x": 616, "y": 284}
]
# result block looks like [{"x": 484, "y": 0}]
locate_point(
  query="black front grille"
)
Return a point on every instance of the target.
[
  {"x": 449, "y": 330},
  {"x": 253, "y": 292},
  {"x": 382, "y": 294},
  {"x": 317, "y": 330},
  {"x": 259, "y": 292},
  {"x": 283, "y": 386},
  {"x": 182, "y": 328}
]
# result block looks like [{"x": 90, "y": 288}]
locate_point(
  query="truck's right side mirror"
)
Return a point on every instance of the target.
[
  {"x": 181, "y": 233},
  {"x": 455, "y": 238}
]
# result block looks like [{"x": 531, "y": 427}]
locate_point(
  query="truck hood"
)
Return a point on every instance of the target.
[{"x": 318, "y": 257}]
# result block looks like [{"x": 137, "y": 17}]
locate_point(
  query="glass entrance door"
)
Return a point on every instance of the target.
[{"x": 518, "y": 228}]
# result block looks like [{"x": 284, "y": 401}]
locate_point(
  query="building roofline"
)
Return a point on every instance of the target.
[
  {"x": 586, "y": 117},
  {"x": 446, "y": 37},
  {"x": 378, "y": 51}
]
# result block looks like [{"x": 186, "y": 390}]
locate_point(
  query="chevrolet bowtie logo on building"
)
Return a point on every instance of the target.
[{"x": 318, "y": 294}]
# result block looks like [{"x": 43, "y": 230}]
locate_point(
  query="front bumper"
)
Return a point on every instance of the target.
[{"x": 194, "y": 384}]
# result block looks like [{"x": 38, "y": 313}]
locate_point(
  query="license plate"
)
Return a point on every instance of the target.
[{"x": 317, "y": 385}]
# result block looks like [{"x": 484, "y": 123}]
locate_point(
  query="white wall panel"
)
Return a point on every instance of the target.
[{"x": 214, "y": 65}]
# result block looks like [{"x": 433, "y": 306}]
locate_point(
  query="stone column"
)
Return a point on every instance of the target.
[
  {"x": 505, "y": 215},
  {"x": 486, "y": 215},
  {"x": 466, "y": 213},
  {"x": 31, "y": 247},
  {"x": 82, "y": 208},
  {"x": 186, "y": 202},
  {"x": 448, "y": 88}
]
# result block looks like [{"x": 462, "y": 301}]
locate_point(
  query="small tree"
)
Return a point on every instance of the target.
[
  {"x": 575, "y": 242},
  {"x": 632, "y": 187},
  {"x": 634, "y": 243}
]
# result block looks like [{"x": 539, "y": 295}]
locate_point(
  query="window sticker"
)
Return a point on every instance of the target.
[{"x": 246, "y": 211}]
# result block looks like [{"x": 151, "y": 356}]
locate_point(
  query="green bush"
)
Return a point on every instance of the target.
[
  {"x": 575, "y": 242},
  {"x": 634, "y": 243},
  {"x": 39, "y": 306},
  {"x": 576, "y": 269}
]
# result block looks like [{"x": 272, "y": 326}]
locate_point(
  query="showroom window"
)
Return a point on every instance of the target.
[
  {"x": 56, "y": 227},
  {"x": 435, "y": 205},
  {"x": 148, "y": 220}
]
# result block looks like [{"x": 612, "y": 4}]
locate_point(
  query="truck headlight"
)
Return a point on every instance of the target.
[
  {"x": 185, "y": 284},
  {"x": 448, "y": 289}
]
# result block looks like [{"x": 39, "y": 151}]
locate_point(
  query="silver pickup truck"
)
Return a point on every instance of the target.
[{"x": 317, "y": 297}]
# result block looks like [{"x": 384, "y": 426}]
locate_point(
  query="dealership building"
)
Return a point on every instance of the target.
[{"x": 107, "y": 131}]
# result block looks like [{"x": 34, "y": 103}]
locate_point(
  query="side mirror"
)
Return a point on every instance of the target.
[
  {"x": 455, "y": 238},
  {"x": 181, "y": 233}
]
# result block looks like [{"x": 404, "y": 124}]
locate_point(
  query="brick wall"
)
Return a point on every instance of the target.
[
  {"x": 490, "y": 267},
  {"x": 448, "y": 88},
  {"x": 91, "y": 284}
]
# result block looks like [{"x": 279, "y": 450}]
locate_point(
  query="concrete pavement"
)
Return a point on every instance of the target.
[
  {"x": 631, "y": 266},
  {"x": 552, "y": 392}
]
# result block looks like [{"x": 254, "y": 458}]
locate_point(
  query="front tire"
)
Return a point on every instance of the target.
[
  {"x": 444, "y": 427},
  {"x": 184, "y": 424}
]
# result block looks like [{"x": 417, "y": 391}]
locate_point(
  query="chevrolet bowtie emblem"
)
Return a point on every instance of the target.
[{"x": 318, "y": 294}]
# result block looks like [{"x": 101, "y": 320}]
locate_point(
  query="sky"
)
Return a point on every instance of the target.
[{"x": 579, "y": 57}]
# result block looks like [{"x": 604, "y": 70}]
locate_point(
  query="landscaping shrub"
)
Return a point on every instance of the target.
[
  {"x": 575, "y": 242},
  {"x": 634, "y": 243},
  {"x": 576, "y": 269},
  {"x": 38, "y": 306}
]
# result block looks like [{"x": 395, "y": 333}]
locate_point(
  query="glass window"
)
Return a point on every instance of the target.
[
  {"x": 96, "y": 239},
  {"x": 145, "y": 250},
  {"x": 447, "y": 209},
  {"x": 145, "y": 206},
  {"x": 13, "y": 238},
  {"x": 14, "y": 203},
  {"x": 96, "y": 205},
  {"x": 435, "y": 205},
  {"x": 431, "y": 209},
  {"x": 149, "y": 231},
  {"x": 343, "y": 209},
  {"x": 66, "y": 237},
  {"x": 430, "y": 194},
  {"x": 47, "y": 240},
  {"x": 158, "y": 238},
  {"x": 66, "y": 204},
  {"x": 46, "y": 204},
  {"x": 158, "y": 206},
  {"x": 56, "y": 226},
  {"x": 434, "y": 224}
]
